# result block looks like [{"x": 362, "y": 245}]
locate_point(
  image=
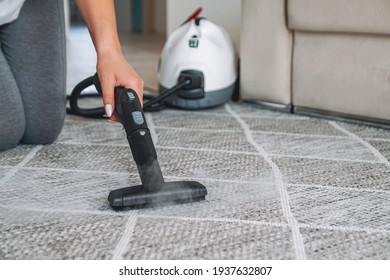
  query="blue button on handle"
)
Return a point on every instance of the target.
[
  {"x": 137, "y": 117},
  {"x": 130, "y": 95}
]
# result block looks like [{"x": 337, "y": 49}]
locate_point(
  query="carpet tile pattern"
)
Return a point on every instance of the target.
[{"x": 280, "y": 186}]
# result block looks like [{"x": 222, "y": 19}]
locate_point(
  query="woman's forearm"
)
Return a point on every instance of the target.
[
  {"x": 112, "y": 67},
  {"x": 99, "y": 16}
]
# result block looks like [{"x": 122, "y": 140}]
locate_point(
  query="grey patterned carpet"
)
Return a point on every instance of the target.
[{"x": 280, "y": 186}]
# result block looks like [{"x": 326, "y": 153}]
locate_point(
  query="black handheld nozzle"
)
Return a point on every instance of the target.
[
  {"x": 129, "y": 112},
  {"x": 154, "y": 189}
]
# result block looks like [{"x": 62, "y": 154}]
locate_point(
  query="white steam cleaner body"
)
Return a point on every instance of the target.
[{"x": 203, "y": 52}]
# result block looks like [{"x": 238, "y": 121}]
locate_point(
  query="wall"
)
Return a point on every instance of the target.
[
  {"x": 153, "y": 17},
  {"x": 123, "y": 14},
  {"x": 226, "y": 13},
  {"x": 160, "y": 16}
]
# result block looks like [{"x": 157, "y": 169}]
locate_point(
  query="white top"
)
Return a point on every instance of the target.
[{"x": 9, "y": 10}]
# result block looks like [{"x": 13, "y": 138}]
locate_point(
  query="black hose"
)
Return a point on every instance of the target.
[
  {"x": 150, "y": 105},
  {"x": 154, "y": 103},
  {"x": 96, "y": 113}
]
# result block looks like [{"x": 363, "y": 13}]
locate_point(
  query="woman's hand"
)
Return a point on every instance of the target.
[
  {"x": 112, "y": 67},
  {"x": 113, "y": 70}
]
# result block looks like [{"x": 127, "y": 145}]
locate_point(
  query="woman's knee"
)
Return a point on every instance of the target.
[
  {"x": 12, "y": 117},
  {"x": 44, "y": 129},
  {"x": 11, "y": 132}
]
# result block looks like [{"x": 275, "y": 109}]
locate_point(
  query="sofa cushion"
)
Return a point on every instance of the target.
[
  {"x": 353, "y": 16},
  {"x": 342, "y": 73}
]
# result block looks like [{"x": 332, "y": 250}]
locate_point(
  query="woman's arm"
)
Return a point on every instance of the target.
[{"x": 112, "y": 67}]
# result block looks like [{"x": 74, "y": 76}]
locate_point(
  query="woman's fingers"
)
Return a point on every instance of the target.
[{"x": 113, "y": 70}]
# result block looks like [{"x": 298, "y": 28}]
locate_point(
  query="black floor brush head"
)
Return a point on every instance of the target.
[
  {"x": 154, "y": 190},
  {"x": 169, "y": 193}
]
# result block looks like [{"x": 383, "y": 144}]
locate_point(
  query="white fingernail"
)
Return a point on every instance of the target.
[{"x": 108, "y": 109}]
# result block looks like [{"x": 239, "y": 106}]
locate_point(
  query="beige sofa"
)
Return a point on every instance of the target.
[{"x": 326, "y": 56}]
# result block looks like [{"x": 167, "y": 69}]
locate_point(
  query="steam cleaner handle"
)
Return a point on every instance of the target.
[{"x": 129, "y": 112}]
